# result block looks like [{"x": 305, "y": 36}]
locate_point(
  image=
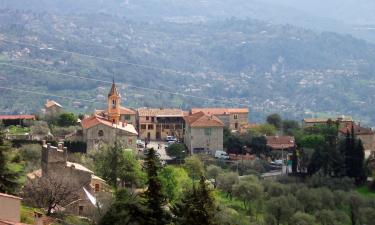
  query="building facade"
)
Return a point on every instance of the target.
[
  {"x": 233, "y": 118},
  {"x": 341, "y": 121},
  {"x": 158, "y": 123},
  {"x": 203, "y": 133},
  {"x": 54, "y": 165},
  {"x": 52, "y": 109},
  {"x": 116, "y": 123},
  {"x": 10, "y": 207}
]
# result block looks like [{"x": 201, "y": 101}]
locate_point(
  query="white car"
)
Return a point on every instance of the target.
[
  {"x": 170, "y": 138},
  {"x": 221, "y": 155},
  {"x": 140, "y": 144}
]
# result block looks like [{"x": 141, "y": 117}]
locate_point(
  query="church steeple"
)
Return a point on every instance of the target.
[{"x": 114, "y": 99}]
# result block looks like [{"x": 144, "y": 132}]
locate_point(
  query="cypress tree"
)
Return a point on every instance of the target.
[
  {"x": 154, "y": 197},
  {"x": 10, "y": 172}
]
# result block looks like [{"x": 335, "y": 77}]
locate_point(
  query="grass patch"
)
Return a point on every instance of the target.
[
  {"x": 18, "y": 130},
  {"x": 234, "y": 203},
  {"x": 27, "y": 214},
  {"x": 365, "y": 191}
]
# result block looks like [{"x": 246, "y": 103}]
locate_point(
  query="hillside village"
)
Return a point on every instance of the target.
[{"x": 223, "y": 137}]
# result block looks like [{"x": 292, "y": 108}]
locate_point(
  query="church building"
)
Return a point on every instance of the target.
[{"x": 114, "y": 123}]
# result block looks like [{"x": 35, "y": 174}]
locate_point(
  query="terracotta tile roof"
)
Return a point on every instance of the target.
[
  {"x": 51, "y": 103},
  {"x": 220, "y": 111},
  {"x": 127, "y": 111},
  {"x": 358, "y": 130},
  {"x": 9, "y": 196},
  {"x": 160, "y": 112},
  {"x": 78, "y": 167},
  {"x": 96, "y": 120},
  {"x": 113, "y": 90},
  {"x": 200, "y": 119},
  {"x": 16, "y": 117},
  {"x": 325, "y": 120},
  {"x": 280, "y": 142}
]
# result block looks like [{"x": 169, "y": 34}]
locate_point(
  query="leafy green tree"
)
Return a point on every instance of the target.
[
  {"x": 300, "y": 218},
  {"x": 290, "y": 126},
  {"x": 259, "y": 146},
  {"x": 264, "y": 129},
  {"x": 155, "y": 198},
  {"x": 10, "y": 171},
  {"x": 31, "y": 154},
  {"x": 275, "y": 189},
  {"x": 234, "y": 144},
  {"x": 196, "y": 207},
  {"x": 126, "y": 210},
  {"x": 130, "y": 172},
  {"x": 213, "y": 172},
  {"x": 194, "y": 166},
  {"x": 248, "y": 192},
  {"x": 328, "y": 217},
  {"x": 177, "y": 150},
  {"x": 275, "y": 120},
  {"x": 174, "y": 182},
  {"x": 67, "y": 119},
  {"x": 282, "y": 208},
  {"x": 225, "y": 182},
  {"x": 109, "y": 162}
]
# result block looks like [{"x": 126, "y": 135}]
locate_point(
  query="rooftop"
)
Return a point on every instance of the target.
[
  {"x": 325, "y": 120},
  {"x": 17, "y": 117},
  {"x": 280, "y": 142},
  {"x": 220, "y": 111},
  {"x": 200, "y": 119},
  {"x": 358, "y": 130},
  {"x": 160, "y": 112},
  {"x": 96, "y": 120},
  {"x": 51, "y": 103}
]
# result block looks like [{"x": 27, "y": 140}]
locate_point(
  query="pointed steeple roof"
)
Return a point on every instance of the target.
[{"x": 113, "y": 90}]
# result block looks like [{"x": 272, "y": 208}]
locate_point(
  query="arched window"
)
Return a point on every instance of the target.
[
  {"x": 113, "y": 104},
  {"x": 100, "y": 133}
]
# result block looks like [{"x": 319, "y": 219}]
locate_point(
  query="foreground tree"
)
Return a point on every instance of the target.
[
  {"x": 50, "y": 191},
  {"x": 67, "y": 119},
  {"x": 10, "y": 171},
  {"x": 275, "y": 120},
  {"x": 154, "y": 196},
  {"x": 226, "y": 181},
  {"x": 126, "y": 210},
  {"x": 194, "y": 166},
  {"x": 196, "y": 207}
]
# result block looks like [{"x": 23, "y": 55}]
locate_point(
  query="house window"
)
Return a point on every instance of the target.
[
  {"x": 127, "y": 117},
  {"x": 150, "y": 126},
  {"x": 130, "y": 141},
  {"x": 143, "y": 126},
  {"x": 236, "y": 126},
  {"x": 147, "y": 118},
  {"x": 152, "y": 119},
  {"x": 235, "y": 116},
  {"x": 100, "y": 133},
  {"x": 80, "y": 210},
  {"x": 97, "y": 187},
  {"x": 207, "y": 131}
]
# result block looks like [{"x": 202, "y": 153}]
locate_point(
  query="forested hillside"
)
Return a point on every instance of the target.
[{"x": 241, "y": 62}]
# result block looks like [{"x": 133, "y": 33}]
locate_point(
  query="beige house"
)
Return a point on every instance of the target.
[
  {"x": 54, "y": 164},
  {"x": 157, "y": 123},
  {"x": 203, "y": 133},
  {"x": 114, "y": 124},
  {"x": 52, "y": 109},
  {"x": 233, "y": 118},
  {"x": 9, "y": 209}
]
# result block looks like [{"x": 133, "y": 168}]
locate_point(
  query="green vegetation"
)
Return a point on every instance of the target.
[{"x": 18, "y": 129}]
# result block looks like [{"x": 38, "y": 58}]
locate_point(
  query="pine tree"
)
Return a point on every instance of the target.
[
  {"x": 196, "y": 207},
  {"x": 154, "y": 197},
  {"x": 125, "y": 210},
  {"x": 10, "y": 172}
]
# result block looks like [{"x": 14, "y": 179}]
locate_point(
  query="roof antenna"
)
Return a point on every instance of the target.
[{"x": 113, "y": 79}]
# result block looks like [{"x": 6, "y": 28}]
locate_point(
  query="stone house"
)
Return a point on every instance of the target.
[
  {"x": 233, "y": 118},
  {"x": 203, "y": 133},
  {"x": 342, "y": 121},
  {"x": 366, "y": 135},
  {"x": 52, "y": 109},
  {"x": 158, "y": 123},
  {"x": 10, "y": 207},
  {"x": 54, "y": 164},
  {"x": 114, "y": 124}
]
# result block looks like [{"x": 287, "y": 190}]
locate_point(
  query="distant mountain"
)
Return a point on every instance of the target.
[
  {"x": 270, "y": 68},
  {"x": 344, "y": 16}
]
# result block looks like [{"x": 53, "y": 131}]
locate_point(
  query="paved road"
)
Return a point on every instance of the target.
[{"x": 161, "y": 150}]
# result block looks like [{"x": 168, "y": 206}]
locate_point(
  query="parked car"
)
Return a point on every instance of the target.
[
  {"x": 140, "y": 144},
  {"x": 221, "y": 155},
  {"x": 170, "y": 138}
]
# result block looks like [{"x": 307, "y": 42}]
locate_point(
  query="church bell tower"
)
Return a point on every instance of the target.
[{"x": 114, "y": 99}]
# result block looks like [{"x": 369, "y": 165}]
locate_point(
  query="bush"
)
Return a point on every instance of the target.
[{"x": 67, "y": 119}]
